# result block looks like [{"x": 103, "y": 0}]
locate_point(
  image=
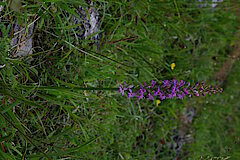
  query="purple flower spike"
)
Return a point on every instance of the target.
[
  {"x": 174, "y": 94},
  {"x": 122, "y": 89},
  {"x": 130, "y": 93},
  {"x": 185, "y": 91},
  {"x": 168, "y": 90},
  {"x": 140, "y": 96},
  {"x": 183, "y": 94},
  {"x": 181, "y": 83},
  {"x": 166, "y": 83},
  {"x": 175, "y": 82},
  {"x": 145, "y": 84},
  {"x": 196, "y": 84},
  {"x": 150, "y": 97},
  {"x": 169, "y": 96},
  {"x": 141, "y": 93},
  {"x": 196, "y": 93},
  {"x": 156, "y": 93},
  {"x": 161, "y": 96},
  {"x": 179, "y": 96},
  {"x": 153, "y": 83},
  {"x": 177, "y": 90}
]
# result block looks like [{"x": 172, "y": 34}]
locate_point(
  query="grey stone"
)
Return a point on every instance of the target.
[
  {"x": 213, "y": 3},
  {"x": 22, "y": 40}
]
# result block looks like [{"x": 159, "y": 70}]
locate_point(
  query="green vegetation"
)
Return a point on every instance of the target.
[
  {"x": 217, "y": 124},
  {"x": 47, "y": 111}
]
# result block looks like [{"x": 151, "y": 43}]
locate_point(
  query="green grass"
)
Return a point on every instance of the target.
[
  {"x": 217, "y": 123},
  {"x": 47, "y": 114}
]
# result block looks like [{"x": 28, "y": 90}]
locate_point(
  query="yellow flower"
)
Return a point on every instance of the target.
[
  {"x": 172, "y": 66},
  {"x": 158, "y": 102}
]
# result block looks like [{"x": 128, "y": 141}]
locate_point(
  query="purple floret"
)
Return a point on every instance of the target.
[
  {"x": 153, "y": 83},
  {"x": 122, "y": 89},
  {"x": 150, "y": 97}
]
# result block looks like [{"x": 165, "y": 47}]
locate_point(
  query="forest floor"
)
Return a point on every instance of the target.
[{"x": 60, "y": 101}]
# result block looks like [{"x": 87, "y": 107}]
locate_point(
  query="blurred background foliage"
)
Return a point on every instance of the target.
[{"x": 45, "y": 115}]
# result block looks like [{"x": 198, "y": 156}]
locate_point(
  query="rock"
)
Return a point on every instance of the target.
[
  {"x": 90, "y": 25},
  {"x": 22, "y": 40},
  {"x": 205, "y": 3}
]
